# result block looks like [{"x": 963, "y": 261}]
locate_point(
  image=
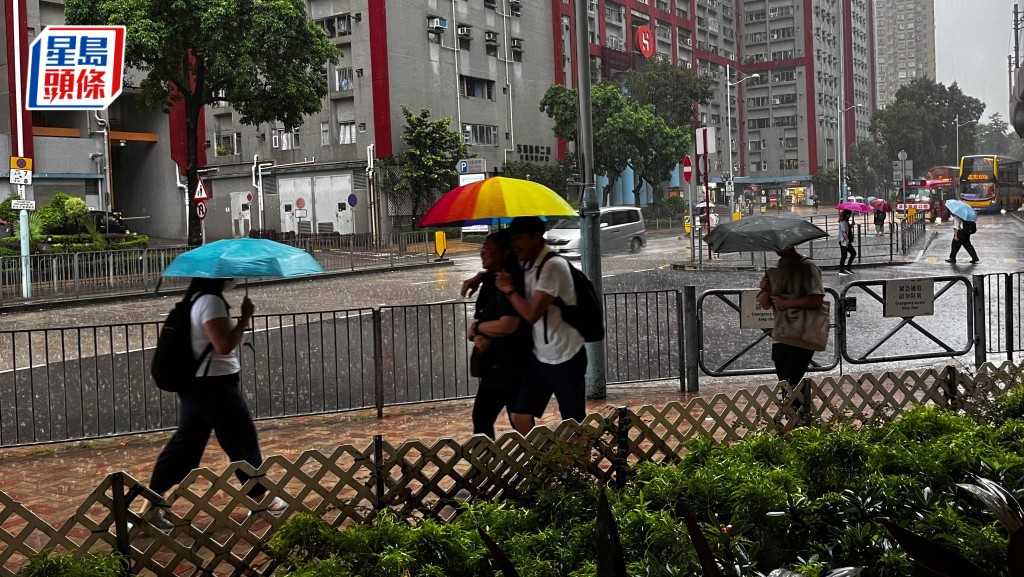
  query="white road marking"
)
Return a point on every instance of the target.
[{"x": 429, "y": 282}]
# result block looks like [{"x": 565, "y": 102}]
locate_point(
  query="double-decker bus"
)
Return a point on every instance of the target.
[
  {"x": 990, "y": 183},
  {"x": 927, "y": 195}
]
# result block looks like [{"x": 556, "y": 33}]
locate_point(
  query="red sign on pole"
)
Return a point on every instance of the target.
[
  {"x": 645, "y": 41},
  {"x": 201, "y": 209},
  {"x": 687, "y": 168}
]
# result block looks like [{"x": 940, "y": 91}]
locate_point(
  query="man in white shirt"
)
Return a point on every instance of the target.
[
  {"x": 961, "y": 238},
  {"x": 560, "y": 360}
]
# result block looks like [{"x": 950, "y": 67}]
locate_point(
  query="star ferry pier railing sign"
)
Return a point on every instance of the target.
[{"x": 76, "y": 68}]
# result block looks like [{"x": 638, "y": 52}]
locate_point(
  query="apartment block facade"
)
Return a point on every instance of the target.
[{"x": 905, "y": 45}]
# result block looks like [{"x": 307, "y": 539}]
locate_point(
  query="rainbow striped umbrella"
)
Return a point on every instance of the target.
[{"x": 495, "y": 198}]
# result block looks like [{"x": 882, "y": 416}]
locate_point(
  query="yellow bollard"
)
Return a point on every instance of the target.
[
  {"x": 686, "y": 224},
  {"x": 736, "y": 216},
  {"x": 440, "y": 244}
]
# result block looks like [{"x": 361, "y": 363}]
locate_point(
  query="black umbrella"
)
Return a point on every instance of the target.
[{"x": 762, "y": 233}]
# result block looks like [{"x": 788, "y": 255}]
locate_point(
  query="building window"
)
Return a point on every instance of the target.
[
  {"x": 325, "y": 133},
  {"x": 226, "y": 144},
  {"x": 343, "y": 78},
  {"x": 347, "y": 132},
  {"x": 480, "y": 134},
  {"x": 471, "y": 87}
]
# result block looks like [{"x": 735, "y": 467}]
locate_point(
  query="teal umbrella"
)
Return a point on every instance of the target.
[
  {"x": 243, "y": 258},
  {"x": 961, "y": 209}
]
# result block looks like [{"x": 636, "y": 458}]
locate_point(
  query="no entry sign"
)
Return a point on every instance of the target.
[{"x": 687, "y": 168}]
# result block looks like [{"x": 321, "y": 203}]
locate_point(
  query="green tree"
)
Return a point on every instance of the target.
[
  {"x": 611, "y": 150},
  {"x": 671, "y": 91},
  {"x": 554, "y": 176},
  {"x": 995, "y": 138},
  {"x": 429, "y": 161},
  {"x": 867, "y": 160},
  {"x": 655, "y": 148},
  {"x": 561, "y": 104},
  {"x": 63, "y": 214},
  {"x": 922, "y": 121},
  {"x": 205, "y": 51},
  {"x": 826, "y": 184}
]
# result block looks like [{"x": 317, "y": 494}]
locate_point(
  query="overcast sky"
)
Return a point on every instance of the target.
[{"x": 972, "y": 40}]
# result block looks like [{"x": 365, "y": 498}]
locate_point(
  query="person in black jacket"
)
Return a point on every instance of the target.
[{"x": 501, "y": 339}]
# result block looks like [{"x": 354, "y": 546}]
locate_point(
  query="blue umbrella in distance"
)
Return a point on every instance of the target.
[{"x": 961, "y": 209}]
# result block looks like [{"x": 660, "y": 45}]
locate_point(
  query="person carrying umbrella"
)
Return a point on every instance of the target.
[
  {"x": 846, "y": 243},
  {"x": 794, "y": 283},
  {"x": 879, "y": 222},
  {"x": 963, "y": 228}
]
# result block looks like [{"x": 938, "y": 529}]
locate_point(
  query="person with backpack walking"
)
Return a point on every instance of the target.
[
  {"x": 846, "y": 243},
  {"x": 212, "y": 401},
  {"x": 962, "y": 232},
  {"x": 559, "y": 362}
]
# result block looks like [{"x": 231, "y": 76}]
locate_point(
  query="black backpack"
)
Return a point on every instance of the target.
[
  {"x": 969, "y": 227},
  {"x": 586, "y": 316},
  {"x": 174, "y": 365}
]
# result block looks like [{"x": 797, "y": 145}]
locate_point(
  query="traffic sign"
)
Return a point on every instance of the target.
[
  {"x": 471, "y": 165},
  {"x": 645, "y": 41},
  {"x": 23, "y": 205},
  {"x": 201, "y": 210},
  {"x": 21, "y": 176},
  {"x": 687, "y": 168},
  {"x": 712, "y": 146},
  {"x": 201, "y": 192},
  {"x": 76, "y": 68},
  {"x": 21, "y": 163}
]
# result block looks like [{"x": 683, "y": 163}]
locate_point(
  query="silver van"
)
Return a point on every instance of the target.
[{"x": 622, "y": 228}]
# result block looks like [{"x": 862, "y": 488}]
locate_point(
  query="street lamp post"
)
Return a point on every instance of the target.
[
  {"x": 730, "y": 186},
  {"x": 958, "y": 125},
  {"x": 841, "y": 155}
]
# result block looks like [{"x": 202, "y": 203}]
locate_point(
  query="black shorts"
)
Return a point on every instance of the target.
[{"x": 566, "y": 381}]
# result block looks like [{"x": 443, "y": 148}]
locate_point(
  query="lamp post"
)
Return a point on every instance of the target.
[
  {"x": 958, "y": 125},
  {"x": 841, "y": 155},
  {"x": 730, "y": 187}
]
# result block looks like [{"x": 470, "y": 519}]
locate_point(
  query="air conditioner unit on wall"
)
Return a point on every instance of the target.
[
  {"x": 490, "y": 36},
  {"x": 437, "y": 23},
  {"x": 464, "y": 32}
]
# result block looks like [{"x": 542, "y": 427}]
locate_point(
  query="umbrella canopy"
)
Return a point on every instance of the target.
[
  {"x": 854, "y": 206},
  {"x": 243, "y": 258},
  {"x": 495, "y": 198},
  {"x": 762, "y": 233},
  {"x": 703, "y": 204},
  {"x": 962, "y": 210},
  {"x": 880, "y": 204}
]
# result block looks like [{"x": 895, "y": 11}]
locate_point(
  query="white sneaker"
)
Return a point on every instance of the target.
[
  {"x": 161, "y": 522},
  {"x": 276, "y": 507}
]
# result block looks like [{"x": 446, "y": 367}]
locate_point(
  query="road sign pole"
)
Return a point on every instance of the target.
[{"x": 707, "y": 188}]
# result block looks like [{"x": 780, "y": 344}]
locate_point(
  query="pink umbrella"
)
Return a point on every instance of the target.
[
  {"x": 854, "y": 206},
  {"x": 881, "y": 204}
]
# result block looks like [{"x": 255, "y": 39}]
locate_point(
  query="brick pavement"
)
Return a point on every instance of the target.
[{"x": 53, "y": 480}]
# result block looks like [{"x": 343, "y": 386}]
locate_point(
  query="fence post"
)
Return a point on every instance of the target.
[
  {"x": 622, "y": 425},
  {"x": 691, "y": 343},
  {"x": 352, "y": 252},
  {"x": 120, "y": 510},
  {"x": 145, "y": 269},
  {"x": 378, "y": 473},
  {"x": 978, "y": 318},
  {"x": 860, "y": 248},
  {"x": 378, "y": 363},
  {"x": 77, "y": 264},
  {"x": 680, "y": 324},
  {"x": 1008, "y": 303}
]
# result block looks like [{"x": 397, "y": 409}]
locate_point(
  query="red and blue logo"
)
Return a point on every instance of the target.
[{"x": 76, "y": 68}]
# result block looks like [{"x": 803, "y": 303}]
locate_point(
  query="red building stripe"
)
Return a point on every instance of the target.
[{"x": 381, "y": 79}]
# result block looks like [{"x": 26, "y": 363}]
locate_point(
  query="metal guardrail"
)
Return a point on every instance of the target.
[
  {"x": 999, "y": 313},
  {"x": 65, "y": 275}
]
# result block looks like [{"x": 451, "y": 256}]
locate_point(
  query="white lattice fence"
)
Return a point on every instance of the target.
[{"x": 214, "y": 532}]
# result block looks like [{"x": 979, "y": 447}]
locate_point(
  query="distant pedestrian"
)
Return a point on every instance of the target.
[
  {"x": 879, "y": 222},
  {"x": 501, "y": 339},
  {"x": 214, "y": 402},
  {"x": 846, "y": 243},
  {"x": 815, "y": 200},
  {"x": 559, "y": 361},
  {"x": 795, "y": 283},
  {"x": 962, "y": 232}
]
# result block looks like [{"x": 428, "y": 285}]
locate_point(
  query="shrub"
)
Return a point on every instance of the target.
[
  {"x": 63, "y": 214},
  {"x": 43, "y": 564}
]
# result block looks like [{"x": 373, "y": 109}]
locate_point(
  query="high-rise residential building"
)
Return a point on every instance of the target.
[
  {"x": 814, "y": 61},
  {"x": 904, "y": 44}
]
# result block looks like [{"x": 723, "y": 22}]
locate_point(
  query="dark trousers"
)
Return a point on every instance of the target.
[
  {"x": 212, "y": 404},
  {"x": 791, "y": 365},
  {"x": 567, "y": 381},
  {"x": 496, "y": 392},
  {"x": 963, "y": 241},
  {"x": 845, "y": 251}
]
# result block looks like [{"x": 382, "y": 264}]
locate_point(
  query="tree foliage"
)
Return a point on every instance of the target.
[
  {"x": 826, "y": 183},
  {"x": 995, "y": 137},
  {"x": 671, "y": 91},
  {"x": 561, "y": 104},
  {"x": 429, "y": 161},
  {"x": 923, "y": 122},
  {"x": 873, "y": 169},
  {"x": 264, "y": 57},
  {"x": 554, "y": 176}
]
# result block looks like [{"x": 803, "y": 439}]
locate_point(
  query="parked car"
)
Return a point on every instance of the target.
[
  {"x": 108, "y": 222},
  {"x": 622, "y": 228}
]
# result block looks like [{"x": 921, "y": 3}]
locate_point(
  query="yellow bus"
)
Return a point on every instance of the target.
[{"x": 990, "y": 183}]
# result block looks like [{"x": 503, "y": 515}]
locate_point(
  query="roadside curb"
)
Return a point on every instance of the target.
[
  {"x": 107, "y": 298},
  {"x": 690, "y": 266}
]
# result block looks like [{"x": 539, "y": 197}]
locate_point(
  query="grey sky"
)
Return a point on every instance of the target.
[{"x": 972, "y": 40}]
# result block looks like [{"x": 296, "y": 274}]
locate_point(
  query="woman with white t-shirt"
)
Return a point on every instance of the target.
[{"x": 214, "y": 402}]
